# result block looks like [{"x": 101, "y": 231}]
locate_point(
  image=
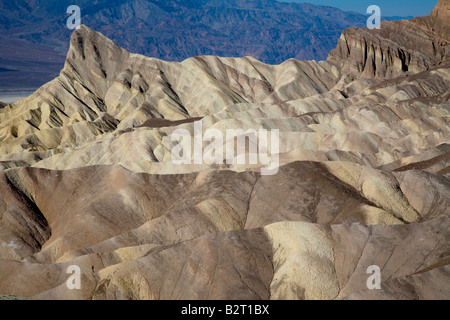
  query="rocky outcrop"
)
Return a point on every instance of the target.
[
  {"x": 397, "y": 48},
  {"x": 438, "y": 19}
]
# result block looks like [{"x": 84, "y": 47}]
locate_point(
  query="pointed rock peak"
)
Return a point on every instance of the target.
[
  {"x": 93, "y": 59},
  {"x": 86, "y": 42}
]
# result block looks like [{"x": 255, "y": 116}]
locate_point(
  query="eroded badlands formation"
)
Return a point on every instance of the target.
[{"x": 87, "y": 176}]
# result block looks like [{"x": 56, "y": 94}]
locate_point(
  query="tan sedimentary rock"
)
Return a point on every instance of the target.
[
  {"x": 406, "y": 46},
  {"x": 87, "y": 178}
]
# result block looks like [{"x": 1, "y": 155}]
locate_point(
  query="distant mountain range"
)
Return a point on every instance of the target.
[{"x": 34, "y": 37}]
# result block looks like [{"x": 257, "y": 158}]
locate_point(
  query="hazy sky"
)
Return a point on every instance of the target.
[{"x": 403, "y": 8}]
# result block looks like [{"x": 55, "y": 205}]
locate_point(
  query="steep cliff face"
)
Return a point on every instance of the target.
[
  {"x": 440, "y": 16},
  {"x": 397, "y": 48}
]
